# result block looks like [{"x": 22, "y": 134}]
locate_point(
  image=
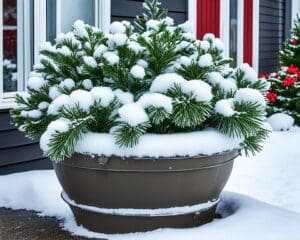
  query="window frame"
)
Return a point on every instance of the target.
[{"x": 25, "y": 29}]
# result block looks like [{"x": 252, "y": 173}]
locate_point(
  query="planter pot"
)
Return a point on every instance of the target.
[{"x": 118, "y": 195}]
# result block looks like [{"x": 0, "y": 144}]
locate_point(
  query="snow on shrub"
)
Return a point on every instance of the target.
[{"x": 141, "y": 79}]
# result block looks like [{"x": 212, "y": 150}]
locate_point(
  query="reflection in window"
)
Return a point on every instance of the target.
[
  {"x": 9, "y": 45},
  {"x": 233, "y": 31}
]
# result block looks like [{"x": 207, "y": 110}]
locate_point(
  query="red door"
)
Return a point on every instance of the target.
[{"x": 208, "y": 17}]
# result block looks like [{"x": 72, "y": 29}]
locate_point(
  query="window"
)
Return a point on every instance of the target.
[
  {"x": 16, "y": 46},
  {"x": 93, "y": 12},
  {"x": 233, "y": 30},
  {"x": 25, "y": 24}
]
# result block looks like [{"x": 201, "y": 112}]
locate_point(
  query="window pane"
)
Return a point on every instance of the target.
[
  {"x": 76, "y": 9},
  {"x": 233, "y": 31},
  {"x": 51, "y": 20},
  {"x": 9, "y": 45}
]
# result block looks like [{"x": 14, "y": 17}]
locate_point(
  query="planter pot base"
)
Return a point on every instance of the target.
[
  {"x": 114, "y": 183},
  {"x": 104, "y": 222}
]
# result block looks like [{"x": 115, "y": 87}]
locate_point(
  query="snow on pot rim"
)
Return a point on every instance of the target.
[{"x": 205, "y": 142}]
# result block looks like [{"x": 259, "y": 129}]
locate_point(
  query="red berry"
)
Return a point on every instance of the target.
[{"x": 272, "y": 97}]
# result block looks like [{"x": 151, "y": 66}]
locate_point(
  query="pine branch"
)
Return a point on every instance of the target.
[{"x": 128, "y": 136}]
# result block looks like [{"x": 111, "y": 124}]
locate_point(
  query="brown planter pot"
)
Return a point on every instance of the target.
[{"x": 141, "y": 183}]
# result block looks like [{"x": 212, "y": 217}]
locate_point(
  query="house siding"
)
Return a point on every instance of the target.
[
  {"x": 17, "y": 153},
  {"x": 274, "y": 27}
]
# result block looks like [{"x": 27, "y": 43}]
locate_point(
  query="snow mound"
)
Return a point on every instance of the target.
[
  {"x": 281, "y": 121},
  {"x": 159, "y": 145}
]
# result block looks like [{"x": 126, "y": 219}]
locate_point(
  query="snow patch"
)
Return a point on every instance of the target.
[
  {"x": 156, "y": 100},
  {"x": 281, "y": 121},
  {"x": 164, "y": 82},
  {"x": 133, "y": 114},
  {"x": 160, "y": 145}
]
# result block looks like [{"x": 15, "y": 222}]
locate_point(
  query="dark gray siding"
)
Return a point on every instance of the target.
[
  {"x": 274, "y": 27},
  {"x": 18, "y": 153},
  {"x": 128, "y": 9}
]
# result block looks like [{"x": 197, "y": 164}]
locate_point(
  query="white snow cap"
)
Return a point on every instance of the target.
[
  {"x": 165, "y": 81},
  {"x": 205, "y": 60},
  {"x": 199, "y": 89},
  {"x": 185, "y": 61},
  {"x": 250, "y": 74},
  {"x": 64, "y": 50},
  {"x": 87, "y": 84},
  {"x": 133, "y": 114},
  {"x": 61, "y": 101},
  {"x": 142, "y": 63},
  {"x": 36, "y": 83},
  {"x": 152, "y": 24},
  {"x": 123, "y": 97},
  {"x": 35, "y": 113},
  {"x": 54, "y": 92},
  {"x": 60, "y": 125},
  {"x": 111, "y": 57},
  {"x": 226, "y": 85},
  {"x": 103, "y": 94},
  {"x": 218, "y": 44},
  {"x": 156, "y": 100},
  {"x": 205, "y": 45},
  {"x": 119, "y": 39},
  {"x": 187, "y": 27},
  {"x": 100, "y": 50},
  {"x": 244, "y": 95},
  {"x": 117, "y": 27},
  {"x": 43, "y": 105},
  {"x": 79, "y": 29},
  {"x": 169, "y": 21},
  {"x": 68, "y": 36},
  {"x": 90, "y": 61},
  {"x": 138, "y": 71},
  {"x": 209, "y": 37},
  {"x": 82, "y": 98},
  {"x": 68, "y": 83},
  {"x": 47, "y": 46},
  {"x": 281, "y": 121},
  {"x": 135, "y": 46},
  {"x": 225, "y": 107}
]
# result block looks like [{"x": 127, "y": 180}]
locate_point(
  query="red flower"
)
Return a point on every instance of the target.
[
  {"x": 288, "y": 82},
  {"x": 272, "y": 97},
  {"x": 294, "y": 41},
  {"x": 292, "y": 69}
]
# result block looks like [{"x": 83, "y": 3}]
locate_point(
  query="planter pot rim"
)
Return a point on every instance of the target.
[
  {"x": 150, "y": 165},
  {"x": 159, "y": 212}
]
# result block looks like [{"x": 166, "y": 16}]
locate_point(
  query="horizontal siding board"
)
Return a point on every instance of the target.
[
  {"x": 271, "y": 33},
  {"x": 5, "y": 120},
  {"x": 39, "y": 164},
  {"x": 20, "y": 154},
  {"x": 13, "y": 138}
]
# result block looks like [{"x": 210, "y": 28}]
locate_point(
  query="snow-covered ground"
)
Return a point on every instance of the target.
[{"x": 272, "y": 177}]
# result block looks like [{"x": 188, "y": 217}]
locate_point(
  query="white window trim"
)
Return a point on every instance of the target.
[
  {"x": 192, "y": 14},
  {"x": 103, "y": 14},
  {"x": 240, "y": 36},
  {"x": 224, "y": 24},
  {"x": 295, "y": 10},
  {"x": 255, "y": 35}
]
